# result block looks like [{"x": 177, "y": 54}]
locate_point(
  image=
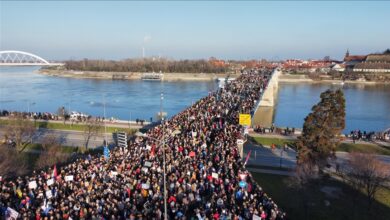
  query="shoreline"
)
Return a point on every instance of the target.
[
  {"x": 284, "y": 78},
  {"x": 133, "y": 75},
  {"x": 288, "y": 78}
]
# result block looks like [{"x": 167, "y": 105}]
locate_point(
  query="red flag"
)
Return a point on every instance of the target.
[
  {"x": 152, "y": 150},
  {"x": 247, "y": 157},
  {"x": 54, "y": 172}
]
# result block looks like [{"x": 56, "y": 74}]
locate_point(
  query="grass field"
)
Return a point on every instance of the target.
[
  {"x": 345, "y": 147},
  {"x": 341, "y": 207},
  {"x": 74, "y": 127},
  {"x": 64, "y": 149},
  {"x": 363, "y": 148},
  {"x": 269, "y": 141}
]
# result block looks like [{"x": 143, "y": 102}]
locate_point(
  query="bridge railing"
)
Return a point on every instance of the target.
[{"x": 257, "y": 105}]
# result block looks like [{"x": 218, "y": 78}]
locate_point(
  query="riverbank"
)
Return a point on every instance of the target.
[
  {"x": 134, "y": 75},
  {"x": 292, "y": 78}
]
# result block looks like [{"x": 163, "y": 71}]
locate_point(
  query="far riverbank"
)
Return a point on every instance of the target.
[
  {"x": 291, "y": 78},
  {"x": 134, "y": 75}
]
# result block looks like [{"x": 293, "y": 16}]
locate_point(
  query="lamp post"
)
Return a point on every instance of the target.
[
  {"x": 164, "y": 170},
  {"x": 162, "y": 142}
]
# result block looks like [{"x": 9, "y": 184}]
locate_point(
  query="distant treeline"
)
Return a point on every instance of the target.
[{"x": 146, "y": 65}]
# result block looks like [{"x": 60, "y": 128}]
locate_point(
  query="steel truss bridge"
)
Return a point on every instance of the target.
[{"x": 20, "y": 58}]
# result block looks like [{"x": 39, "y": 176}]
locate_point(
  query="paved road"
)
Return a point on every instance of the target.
[
  {"x": 68, "y": 138},
  {"x": 294, "y": 137},
  {"x": 265, "y": 156}
]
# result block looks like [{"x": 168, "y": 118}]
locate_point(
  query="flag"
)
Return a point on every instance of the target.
[
  {"x": 247, "y": 157},
  {"x": 54, "y": 172},
  {"x": 152, "y": 151},
  {"x": 106, "y": 152}
]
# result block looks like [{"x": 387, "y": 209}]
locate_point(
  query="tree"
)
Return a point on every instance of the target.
[
  {"x": 51, "y": 152},
  {"x": 303, "y": 181},
  {"x": 21, "y": 131},
  {"x": 387, "y": 51},
  {"x": 367, "y": 173},
  {"x": 11, "y": 163},
  {"x": 91, "y": 128},
  {"x": 321, "y": 130}
]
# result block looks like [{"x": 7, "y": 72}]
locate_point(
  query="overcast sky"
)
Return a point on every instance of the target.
[{"x": 194, "y": 29}]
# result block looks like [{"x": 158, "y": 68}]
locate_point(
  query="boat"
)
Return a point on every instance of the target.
[{"x": 152, "y": 76}]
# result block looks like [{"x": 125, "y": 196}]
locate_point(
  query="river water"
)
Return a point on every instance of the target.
[
  {"x": 22, "y": 89},
  {"x": 367, "y": 106}
]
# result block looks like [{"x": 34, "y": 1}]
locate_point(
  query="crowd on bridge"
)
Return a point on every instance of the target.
[{"x": 205, "y": 176}]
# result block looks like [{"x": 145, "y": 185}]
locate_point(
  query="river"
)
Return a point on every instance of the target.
[
  {"x": 367, "y": 106},
  {"x": 21, "y": 89}
]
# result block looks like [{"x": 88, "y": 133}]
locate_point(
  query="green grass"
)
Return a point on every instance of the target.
[
  {"x": 340, "y": 208},
  {"x": 268, "y": 167},
  {"x": 65, "y": 149},
  {"x": 279, "y": 142},
  {"x": 79, "y": 127},
  {"x": 74, "y": 127},
  {"x": 345, "y": 147},
  {"x": 363, "y": 148}
]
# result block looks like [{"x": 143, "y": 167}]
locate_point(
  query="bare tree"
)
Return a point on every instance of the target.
[
  {"x": 366, "y": 172},
  {"x": 51, "y": 152},
  {"x": 92, "y": 128},
  {"x": 11, "y": 163},
  {"x": 21, "y": 131},
  {"x": 305, "y": 175}
]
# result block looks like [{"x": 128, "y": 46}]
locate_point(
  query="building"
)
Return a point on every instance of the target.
[
  {"x": 374, "y": 63},
  {"x": 351, "y": 61},
  {"x": 339, "y": 67}
]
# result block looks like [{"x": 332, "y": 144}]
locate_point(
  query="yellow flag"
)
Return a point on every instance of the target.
[
  {"x": 245, "y": 119},
  {"x": 19, "y": 192}
]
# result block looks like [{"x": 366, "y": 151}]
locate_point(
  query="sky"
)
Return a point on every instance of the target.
[{"x": 57, "y": 30}]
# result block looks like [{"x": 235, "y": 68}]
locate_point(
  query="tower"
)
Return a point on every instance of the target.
[{"x": 347, "y": 53}]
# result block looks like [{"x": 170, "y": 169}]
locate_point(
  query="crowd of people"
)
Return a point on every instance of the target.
[
  {"x": 274, "y": 130},
  {"x": 205, "y": 177},
  {"x": 358, "y": 135},
  {"x": 32, "y": 115}
]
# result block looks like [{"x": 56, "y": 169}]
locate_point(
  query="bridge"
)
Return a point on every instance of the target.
[
  {"x": 264, "y": 110},
  {"x": 20, "y": 58}
]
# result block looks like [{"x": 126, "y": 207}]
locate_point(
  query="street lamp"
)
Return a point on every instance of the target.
[
  {"x": 164, "y": 172},
  {"x": 162, "y": 142}
]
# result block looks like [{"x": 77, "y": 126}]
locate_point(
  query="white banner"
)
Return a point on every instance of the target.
[
  {"x": 11, "y": 214},
  {"x": 214, "y": 175},
  {"x": 49, "y": 194},
  {"x": 69, "y": 178},
  {"x": 32, "y": 185},
  {"x": 50, "y": 182}
]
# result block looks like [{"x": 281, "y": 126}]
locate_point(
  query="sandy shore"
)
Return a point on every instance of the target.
[{"x": 133, "y": 75}]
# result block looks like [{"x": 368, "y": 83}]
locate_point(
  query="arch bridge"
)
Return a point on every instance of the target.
[{"x": 20, "y": 58}]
